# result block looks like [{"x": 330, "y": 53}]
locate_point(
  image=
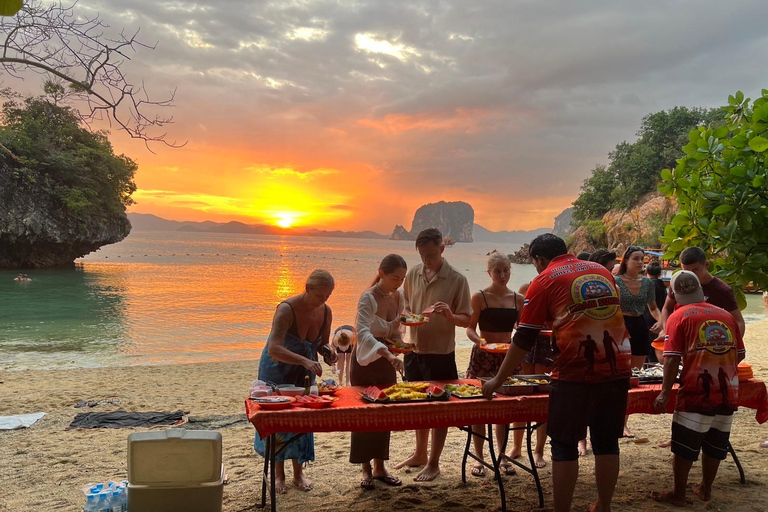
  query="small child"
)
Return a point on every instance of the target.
[{"x": 344, "y": 339}]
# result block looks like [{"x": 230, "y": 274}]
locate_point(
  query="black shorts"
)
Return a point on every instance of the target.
[
  {"x": 574, "y": 406},
  {"x": 430, "y": 366},
  {"x": 693, "y": 432},
  {"x": 639, "y": 335}
]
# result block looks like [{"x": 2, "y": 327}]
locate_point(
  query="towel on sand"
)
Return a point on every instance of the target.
[
  {"x": 122, "y": 419},
  {"x": 19, "y": 421}
]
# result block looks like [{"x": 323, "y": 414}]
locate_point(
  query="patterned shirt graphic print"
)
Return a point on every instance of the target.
[
  {"x": 709, "y": 343},
  {"x": 579, "y": 300}
]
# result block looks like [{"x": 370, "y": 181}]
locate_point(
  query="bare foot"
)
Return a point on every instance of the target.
[
  {"x": 427, "y": 474},
  {"x": 703, "y": 495},
  {"x": 628, "y": 433},
  {"x": 582, "y": 447},
  {"x": 665, "y": 444},
  {"x": 514, "y": 453},
  {"x": 412, "y": 462},
  {"x": 670, "y": 497},
  {"x": 593, "y": 508},
  {"x": 302, "y": 482},
  {"x": 280, "y": 487},
  {"x": 538, "y": 460}
]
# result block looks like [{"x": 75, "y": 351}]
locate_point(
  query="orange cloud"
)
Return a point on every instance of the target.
[{"x": 460, "y": 120}]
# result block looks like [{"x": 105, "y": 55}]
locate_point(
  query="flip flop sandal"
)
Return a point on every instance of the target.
[
  {"x": 508, "y": 469},
  {"x": 367, "y": 484},
  {"x": 478, "y": 471},
  {"x": 389, "y": 480}
]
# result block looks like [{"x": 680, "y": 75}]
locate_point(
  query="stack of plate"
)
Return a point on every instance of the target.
[{"x": 745, "y": 372}]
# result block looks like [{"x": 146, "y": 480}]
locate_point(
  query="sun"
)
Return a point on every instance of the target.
[{"x": 285, "y": 220}]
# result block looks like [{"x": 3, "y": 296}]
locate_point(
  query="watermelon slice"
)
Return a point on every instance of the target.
[
  {"x": 435, "y": 391},
  {"x": 376, "y": 394}
]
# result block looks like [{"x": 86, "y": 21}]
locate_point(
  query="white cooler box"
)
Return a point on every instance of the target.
[{"x": 175, "y": 470}]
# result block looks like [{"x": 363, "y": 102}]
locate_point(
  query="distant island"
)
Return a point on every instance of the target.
[{"x": 149, "y": 222}]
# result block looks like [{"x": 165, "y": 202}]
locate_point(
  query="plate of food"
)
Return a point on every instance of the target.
[
  {"x": 314, "y": 401},
  {"x": 541, "y": 381},
  {"x": 399, "y": 347},
  {"x": 273, "y": 402},
  {"x": 465, "y": 390},
  {"x": 413, "y": 319},
  {"x": 515, "y": 386},
  {"x": 404, "y": 392},
  {"x": 495, "y": 348},
  {"x": 326, "y": 388}
]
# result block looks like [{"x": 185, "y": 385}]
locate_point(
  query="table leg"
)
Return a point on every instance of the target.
[
  {"x": 742, "y": 478},
  {"x": 272, "y": 454},
  {"x": 496, "y": 462},
  {"x": 466, "y": 455},
  {"x": 534, "y": 470},
  {"x": 265, "y": 473}
]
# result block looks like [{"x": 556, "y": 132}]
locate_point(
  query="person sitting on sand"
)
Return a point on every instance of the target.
[
  {"x": 373, "y": 364},
  {"x": 495, "y": 309},
  {"x": 344, "y": 339},
  {"x": 698, "y": 424},
  {"x": 301, "y": 325}
]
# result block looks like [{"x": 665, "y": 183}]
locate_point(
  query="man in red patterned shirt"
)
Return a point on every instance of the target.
[
  {"x": 590, "y": 380},
  {"x": 708, "y": 341}
]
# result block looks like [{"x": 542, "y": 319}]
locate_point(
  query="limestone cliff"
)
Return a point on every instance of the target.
[
  {"x": 563, "y": 221},
  {"x": 454, "y": 220},
  {"x": 639, "y": 225},
  {"x": 37, "y": 231}
]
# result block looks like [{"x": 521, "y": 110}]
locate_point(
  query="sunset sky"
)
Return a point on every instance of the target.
[{"x": 350, "y": 115}]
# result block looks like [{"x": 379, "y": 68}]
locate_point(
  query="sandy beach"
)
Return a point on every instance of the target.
[{"x": 44, "y": 467}]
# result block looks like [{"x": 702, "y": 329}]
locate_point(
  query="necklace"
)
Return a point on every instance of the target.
[{"x": 378, "y": 290}]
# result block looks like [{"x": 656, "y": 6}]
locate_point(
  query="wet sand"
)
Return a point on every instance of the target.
[{"x": 44, "y": 467}]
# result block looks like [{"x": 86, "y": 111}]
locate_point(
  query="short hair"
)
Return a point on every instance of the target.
[
  {"x": 691, "y": 255},
  {"x": 602, "y": 256},
  {"x": 320, "y": 279},
  {"x": 547, "y": 246},
  {"x": 497, "y": 257},
  {"x": 429, "y": 236},
  {"x": 653, "y": 269},
  {"x": 583, "y": 256}
]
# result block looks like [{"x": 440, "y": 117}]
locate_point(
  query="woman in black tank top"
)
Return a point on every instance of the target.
[{"x": 495, "y": 310}]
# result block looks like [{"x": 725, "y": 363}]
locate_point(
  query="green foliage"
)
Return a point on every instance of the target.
[
  {"x": 719, "y": 184},
  {"x": 634, "y": 167},
  {"x": 48, "y": 140},
  {"x": 595, "y": 231},
  {"x": 655, "y": 223}
]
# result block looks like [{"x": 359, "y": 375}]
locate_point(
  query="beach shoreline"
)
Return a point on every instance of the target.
[{"x": 45, "y": 466}]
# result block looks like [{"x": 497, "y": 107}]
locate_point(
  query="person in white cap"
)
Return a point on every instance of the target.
[{"x": 708, "y": 341}]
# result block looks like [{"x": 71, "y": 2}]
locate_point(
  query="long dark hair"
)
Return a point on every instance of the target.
[
  {"x": 627, "y": 254},
  {"x": 389, "y": 264}
]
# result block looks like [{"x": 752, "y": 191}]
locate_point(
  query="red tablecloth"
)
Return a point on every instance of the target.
[{"x": 352, "y": 414}]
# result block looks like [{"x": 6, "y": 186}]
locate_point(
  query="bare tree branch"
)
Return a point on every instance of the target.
[{"x": 53, "y": 40}]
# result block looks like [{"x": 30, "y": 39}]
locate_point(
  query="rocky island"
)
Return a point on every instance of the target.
[{"x": 454, "y": 220}]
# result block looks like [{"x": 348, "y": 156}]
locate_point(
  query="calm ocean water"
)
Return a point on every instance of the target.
[{"x": 170, "y": 297}]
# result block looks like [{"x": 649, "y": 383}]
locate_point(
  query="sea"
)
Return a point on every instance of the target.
[{"x": 175, "y": 297}]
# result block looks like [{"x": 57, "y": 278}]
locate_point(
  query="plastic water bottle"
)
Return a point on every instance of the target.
[
  {"x": 117, "y": 501},
  {"x": 90, "y": 503},
  {"x": 102, "y": 504}
]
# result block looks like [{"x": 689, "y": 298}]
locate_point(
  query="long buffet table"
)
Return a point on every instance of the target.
[{"x": 353, "y": 414}]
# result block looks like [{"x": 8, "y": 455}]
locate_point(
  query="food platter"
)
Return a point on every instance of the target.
[
  {"x": 326, "y": 389},
  {"x": 495, "y": 348},
  {"x": 405, "y": 392},
  {"x": 541, "y": 381},
  {"x": 464, "y": 391},
  {"x": 413, "y": 319},
  {"x": 514, "y": 386},
  {"x": 314, "y": 401},
  {"x": 273, "y": 402}
]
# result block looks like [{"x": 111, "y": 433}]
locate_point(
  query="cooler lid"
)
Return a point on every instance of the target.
[{"x": 174, "y": 457}]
